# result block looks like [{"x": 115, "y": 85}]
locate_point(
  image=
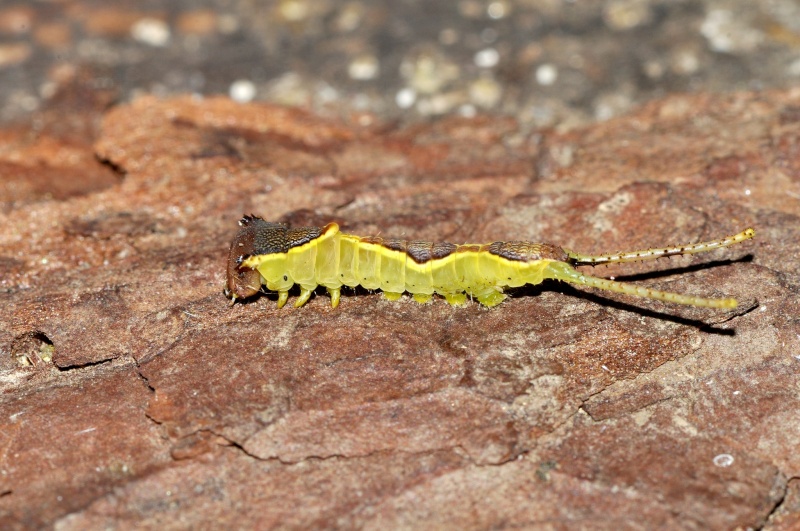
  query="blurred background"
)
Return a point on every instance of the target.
[{"x": 547, "y": 62}]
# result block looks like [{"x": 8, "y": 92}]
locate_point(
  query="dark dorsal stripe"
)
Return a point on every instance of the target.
[
  {"x": 395, "y": 244},
  {"x": 442, "y": 249},
  {"x": 422, "y": 252},
  {"x": 419, "y": 251},
  {"x": 270, "y": 238},
  {"x": 527, "y": 251},
  {"x": 266, "y": 237}
]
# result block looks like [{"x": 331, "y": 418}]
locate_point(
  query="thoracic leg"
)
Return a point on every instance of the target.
[
  {"x": 335, "y": 294},
  {"x": 283, "y": 296},
  {"x": 305, "y": 294}
]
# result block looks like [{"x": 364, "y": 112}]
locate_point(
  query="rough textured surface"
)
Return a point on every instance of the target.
[{"x": 133, "y": 394}]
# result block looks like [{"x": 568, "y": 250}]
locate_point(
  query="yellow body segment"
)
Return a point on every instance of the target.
[
  {"x": 335, "y": 259},
  {"x": 348, "y": 254},
  {"x": 419, "y": 279},
  {"x": 393, "y": 271},
  {"x": 481, "y": 271}
]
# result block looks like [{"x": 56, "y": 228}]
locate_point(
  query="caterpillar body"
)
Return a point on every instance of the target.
[{"x": 278, "y": 256}]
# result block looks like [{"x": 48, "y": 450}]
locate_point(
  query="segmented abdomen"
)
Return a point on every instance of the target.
[{"x": 394, "y": 266}]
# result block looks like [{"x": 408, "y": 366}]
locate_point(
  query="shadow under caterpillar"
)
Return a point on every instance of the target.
[{"x": 279, "y": 257}]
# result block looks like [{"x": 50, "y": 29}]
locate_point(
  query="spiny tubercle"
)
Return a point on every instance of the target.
[{"x": 652, "y": 254}]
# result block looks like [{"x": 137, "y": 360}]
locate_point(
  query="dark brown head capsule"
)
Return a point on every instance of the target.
[
  {"x": 258, "y": 237},
  {"x": 243, "y": 282}
]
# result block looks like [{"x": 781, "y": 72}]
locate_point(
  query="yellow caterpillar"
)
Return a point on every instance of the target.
[{"x": 280, "y": 257}]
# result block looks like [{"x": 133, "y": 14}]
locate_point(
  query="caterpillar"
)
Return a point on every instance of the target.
[{"x": 279, "y": 257}]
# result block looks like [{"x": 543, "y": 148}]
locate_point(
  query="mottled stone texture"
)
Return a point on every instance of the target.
[{"x": 134, "y": 395}]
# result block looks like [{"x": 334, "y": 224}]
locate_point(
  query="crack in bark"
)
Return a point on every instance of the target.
[
  {"x": 456, "y": 449},
  {"x": 143, "y": 378},
  {"x": 782, "y": 486},
  {"x": 88, "y": 364}
]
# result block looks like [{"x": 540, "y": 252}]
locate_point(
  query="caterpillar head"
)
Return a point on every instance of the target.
[
  {"x": 259, "y": 237},
  {"x": 243, "y": 282}
]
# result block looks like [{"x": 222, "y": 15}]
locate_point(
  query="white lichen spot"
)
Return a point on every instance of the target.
[
  {"x": 563, "y": 154},
  {"x": 405, "y": 97},
  {"x": 684, "y": 61},
  {"x": 242, "y": 91},
  {"x": 728, "y": 32},
  {"x": 294, "y": 10},
  {"x": 623, "y": 15},
  {"x": 467, "y": 111},
  {"x": 428, "y": 71},
  {"x": 498, "y": 9},
  {"x": 151, "y": 31},
  {"x": 350, "y": 17},
  {"x": 607, "y": 106},
  {"x": 487, "y": 58},
  {"x": 723, "y": 460},
  {"x": 546, "y": 74},
  {"x": 793, "y": 70},
  {"x": 485, "y": 92},
  {"x": 642, "y": 417},
  {"x": 614, "y": 205},
  {"x": 325, "y": 93},
  {"x": 438, "y": 104},
  {"x": 364, "y": 68}
]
